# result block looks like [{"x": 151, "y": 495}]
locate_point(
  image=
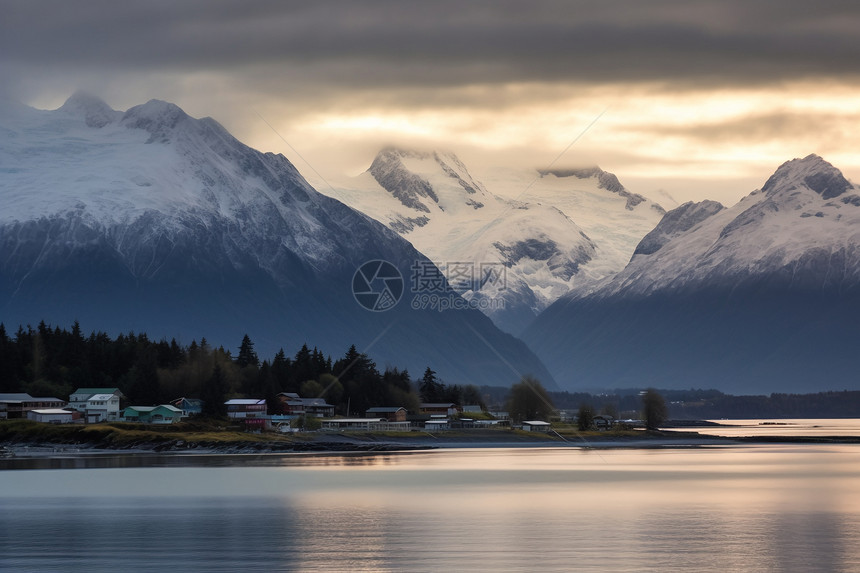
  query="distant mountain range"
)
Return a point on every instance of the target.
[
  {"x": 763, "y": 296},
  {"x": 529, "y": 227},
  {"x": 150, "y": 220}
]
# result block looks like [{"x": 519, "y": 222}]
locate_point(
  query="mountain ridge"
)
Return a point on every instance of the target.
[
  {"x": 760, "y": 295},
  {"x": 159, "y": 222},
  {"x": 432, "y": 199}
]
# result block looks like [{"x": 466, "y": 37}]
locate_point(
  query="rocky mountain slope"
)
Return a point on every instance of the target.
[
  {"x": 150, "y": 220},
  {"x": 763, "y": 296},
  {"x": 432, "y": 200}
]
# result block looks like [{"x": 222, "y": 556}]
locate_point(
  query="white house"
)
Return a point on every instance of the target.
[
  {"x": 51, "y": 415},
  {"x": 437, "y": 424},
  {"x": 536, "y": 426},
  {"x": 365, "y": 424},
  {"x": 18, "y": 404},
  {"x": 97, "y": 404}
]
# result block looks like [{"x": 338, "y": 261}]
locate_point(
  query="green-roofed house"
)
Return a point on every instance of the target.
[
  {"x": 163, "y": 414},
  {"x": 96, "y": 404}
]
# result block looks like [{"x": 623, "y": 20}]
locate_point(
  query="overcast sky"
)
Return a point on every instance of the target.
[{"x": 700, "y": 99}]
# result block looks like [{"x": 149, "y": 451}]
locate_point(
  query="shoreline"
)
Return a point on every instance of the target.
[{"x": 346, "y": 443}]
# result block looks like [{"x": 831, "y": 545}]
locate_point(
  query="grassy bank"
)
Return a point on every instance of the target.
[
  {"x": 219, "y": 435},
  {"x": 124, "y": 435}
]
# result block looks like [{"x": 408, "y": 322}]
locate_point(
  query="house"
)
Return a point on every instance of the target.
[
  {"x": 492, "y": 423},
  {"x": 314, "y": 407},
  {"x": 53, "y": 415},
  {"x": 16, "y": 405},
  {"x": 241, "y": 408},
  {"x": 101, "y": 408},
  {"x": 251, "y": 412},
  {"x": 96, "y": 404},
  {"x": 391, "y": 414},
  {"x": 294, "y": 405},
  {"x": 12, "y": 405},
  {"x": 365, "y": 424},
  {"x": 291, "y": 404},
  {"x": 437, "y": 424},
  {"x": 536, "y": 426},
  {"x": 447, "y": 409},
  {"x": 318, "y": 408},
  {"x": 163, "y": 414},
  {"x": 287, "y": 396},
  {"x": 189, "y": 406}
]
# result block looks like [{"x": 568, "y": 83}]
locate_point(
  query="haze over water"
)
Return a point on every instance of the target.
[{"x": 748, "y": 508}]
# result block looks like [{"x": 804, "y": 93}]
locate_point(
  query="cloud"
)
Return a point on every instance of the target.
[
  {"x": 761, "y": 128},
  {"x": 510, "y": 78},
  {"x": 362, "y": 44}
]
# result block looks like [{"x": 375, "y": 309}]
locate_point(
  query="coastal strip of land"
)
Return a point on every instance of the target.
[{"x": 26, "y": 439}]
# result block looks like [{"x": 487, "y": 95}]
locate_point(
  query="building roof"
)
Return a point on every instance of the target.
[
  {"x": 96, "y": 391},
  {"x": 15, "y": 397},
  {"x": 169, "y": 408},
  {"x": 140, "y": 409},
  {"x": 46, "y": 399},
  {"x": 289, "y": 395},
  {"x": 150, "y": 409},
  {"x": 101, "y": 397},
  {"x": 438, "y": 405},
  {"x": 52, "y": 411},
  {"x": 244, "y": 402},
  {"x": 316, "y": 402},
  {"x": 536, "y": 423},
  {"x": 386, "y": 409}
]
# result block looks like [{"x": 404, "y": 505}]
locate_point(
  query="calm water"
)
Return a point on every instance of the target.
[
  {"x": 749, "y": 508},
  {"x": 781, "y": 427}
]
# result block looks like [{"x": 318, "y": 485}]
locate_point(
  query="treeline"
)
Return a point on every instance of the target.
[
  {"x": 712, "y": 404},
  {"x": 50, "y": 361},
  {"x": 844, "y": 404}
]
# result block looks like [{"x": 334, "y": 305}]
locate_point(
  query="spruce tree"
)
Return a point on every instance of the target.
[{"x": 247, "y": 356}]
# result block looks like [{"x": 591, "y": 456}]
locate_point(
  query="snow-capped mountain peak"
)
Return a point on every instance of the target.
[
  {"x": 427, "y": 181},
  {"x": 157, "y": 117},
  {"x": 605, "y": 180},
  {"x": 762, "y": 296},
  {"x": 433, "y": 200},
  {"x": 94, "y": 111},
  {"x": 806, "y": 216},
  {"x": 154, "y": 220},
  {"x": 675, "y": 222},
  {"x": 811, "y": 172}
]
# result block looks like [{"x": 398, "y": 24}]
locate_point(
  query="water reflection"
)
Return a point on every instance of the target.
[
  {"x": 781, "y": 427},
  {"x": 790, "y": 508},
  {"x": 176, "y": 460}
]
